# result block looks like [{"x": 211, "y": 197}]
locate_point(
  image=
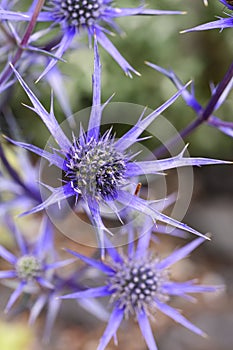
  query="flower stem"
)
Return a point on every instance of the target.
[
  {"x": 7, "y": 73},
  {"x": 203, "y": 116}
]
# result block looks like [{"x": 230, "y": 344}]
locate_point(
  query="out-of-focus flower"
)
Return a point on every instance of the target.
[
  {"x": 34, "y": 264},
  {"x": 35, "y": 271}
]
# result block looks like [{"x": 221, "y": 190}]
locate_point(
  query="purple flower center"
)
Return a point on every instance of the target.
[
  {"x": 135, "y": 285},
  {"x": 79, "y": 12},
  {"x": 28, "y": 267},
  {"x": 96, "y": 169}
]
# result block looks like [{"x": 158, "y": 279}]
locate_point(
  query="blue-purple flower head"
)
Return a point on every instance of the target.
[
  {"x": 140, "y": 283},
  {"x": 221, "y": 23},
  {"x": 32, "y": 267},
  {"x": 97, "y": 168},
  {"x": 96, "y": 17},
  {"x": 35, "y": 270}
]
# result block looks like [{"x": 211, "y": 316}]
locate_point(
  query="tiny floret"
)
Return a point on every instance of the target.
[
  {"x": 78, "y": 13},
  {"x": 135, "y": 285},
  {"x": 34, "y": 266},
  {"x": 28, "y": 267},
  {"x": 95, "y": 168}
]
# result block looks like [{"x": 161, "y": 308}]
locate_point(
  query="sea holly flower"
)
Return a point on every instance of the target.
[
  {"x": 33, "y": 266},
  {"x": 191, "y": 100},
  {"x": 221, "y": 23},
  {"x": 98, "y": 167},
  {"x": 35, "y": 271},
  {"x": 96, "y": 17},
  {"x": 138, "y": 285}
]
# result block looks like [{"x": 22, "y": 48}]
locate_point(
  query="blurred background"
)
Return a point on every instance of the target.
[{"x": 203, "y": 57}]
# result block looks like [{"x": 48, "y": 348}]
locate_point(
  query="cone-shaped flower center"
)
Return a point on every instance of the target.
[
  {"x": 135, "y": 284},
  {"x": 28, "y": 267},
  {"x": 96, "y": 169},
  {"x": 79, "y": 12}
]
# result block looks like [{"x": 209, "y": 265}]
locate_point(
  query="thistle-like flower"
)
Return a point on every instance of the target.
[
  {"x": 138, "y": 284},
  {"x": 95, "y": 17},
  {"x": 32, "y": 268},
  {"x": 98, "y": 168},
  {"x": 221, "y": 23}
]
